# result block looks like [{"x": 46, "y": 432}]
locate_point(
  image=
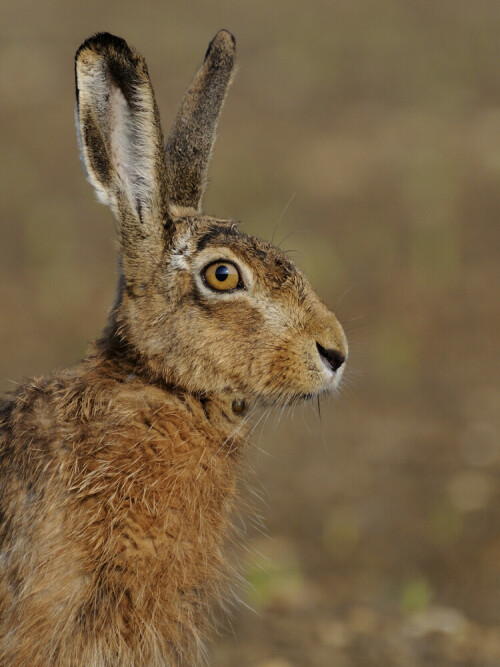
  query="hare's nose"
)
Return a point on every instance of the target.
[{"x": 333, "y": 358}]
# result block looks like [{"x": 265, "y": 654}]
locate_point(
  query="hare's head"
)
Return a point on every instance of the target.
[{"x": 201, "y": 305}]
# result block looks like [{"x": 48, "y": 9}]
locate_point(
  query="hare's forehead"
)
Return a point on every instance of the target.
[
  {"x": 193, "y": 235},
  {"x": 191, "y": 243},
  {"x": 193, "y": 248}
]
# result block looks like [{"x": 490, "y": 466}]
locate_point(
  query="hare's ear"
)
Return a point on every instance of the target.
[
  {"x": 122, "y": 145},
  {"x": 189, "y": 147}
]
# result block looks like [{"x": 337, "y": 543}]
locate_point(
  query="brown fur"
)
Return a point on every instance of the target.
[{"x": 118, "y": 477}]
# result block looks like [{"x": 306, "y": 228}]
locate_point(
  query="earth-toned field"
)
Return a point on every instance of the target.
[{"x": 365, "y": 139}]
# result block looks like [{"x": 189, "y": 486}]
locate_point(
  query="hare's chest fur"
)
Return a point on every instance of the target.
[{"x": 143, "y": 492}]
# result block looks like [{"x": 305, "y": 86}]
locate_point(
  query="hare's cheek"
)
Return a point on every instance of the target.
[
  {"x": 237, "y": 325},
  {"x": 273, "y": 368}
]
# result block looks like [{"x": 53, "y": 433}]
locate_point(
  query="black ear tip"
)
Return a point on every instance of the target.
[
  {"x": 227, "y": 36},
  {"x": 104, "y": 42},
  {"x": 223, "y": 44}
]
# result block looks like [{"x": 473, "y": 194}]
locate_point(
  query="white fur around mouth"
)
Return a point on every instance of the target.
[
  {"x": 327, "y": 366},
  {"x": 333, "y": 377}
]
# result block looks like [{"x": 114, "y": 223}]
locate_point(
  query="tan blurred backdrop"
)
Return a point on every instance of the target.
[{"x": 365, "y": 138}]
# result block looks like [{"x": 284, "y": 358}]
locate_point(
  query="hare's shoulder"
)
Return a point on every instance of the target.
[
  {"x": 85, "y": 411},
  {"x": 115, "y": 479},
  {"x": 114, "y": 462}
]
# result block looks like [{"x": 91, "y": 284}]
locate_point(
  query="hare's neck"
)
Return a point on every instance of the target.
[
  {"x": 223, "y": 416},
  {"x": 113, "y": 357}
]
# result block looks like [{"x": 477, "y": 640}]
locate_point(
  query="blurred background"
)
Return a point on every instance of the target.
[{"x": 365, "y": 139}]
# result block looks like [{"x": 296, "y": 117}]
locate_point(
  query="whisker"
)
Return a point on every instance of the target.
[
  {"x": 285, "y": 208},
  {"x": 349, "y": 289}
]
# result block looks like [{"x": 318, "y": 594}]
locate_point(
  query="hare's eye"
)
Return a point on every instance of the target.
[{"x": 222, "y": 276}]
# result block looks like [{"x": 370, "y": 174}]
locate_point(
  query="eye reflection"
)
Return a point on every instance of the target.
[{"x": 222, "y": 272}]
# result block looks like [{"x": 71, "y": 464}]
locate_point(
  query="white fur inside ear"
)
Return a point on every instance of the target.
[
  {"x": 123, "y": 140},
  {"x": 91, "y": 86}
]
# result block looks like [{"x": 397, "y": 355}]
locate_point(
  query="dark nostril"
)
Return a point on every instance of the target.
[{"x": 333, "y": 358}]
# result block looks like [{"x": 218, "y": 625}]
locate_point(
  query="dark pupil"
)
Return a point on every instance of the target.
[{"x": 221, "y": 273}]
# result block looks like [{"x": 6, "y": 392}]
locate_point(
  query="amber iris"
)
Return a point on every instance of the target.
[{"x": 222, "y": 276}]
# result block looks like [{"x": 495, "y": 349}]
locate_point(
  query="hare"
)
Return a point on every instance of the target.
[{"x": 119, "y": 476}]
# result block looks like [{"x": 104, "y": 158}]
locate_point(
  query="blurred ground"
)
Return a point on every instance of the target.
[{"x": 365, "y": 137}]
